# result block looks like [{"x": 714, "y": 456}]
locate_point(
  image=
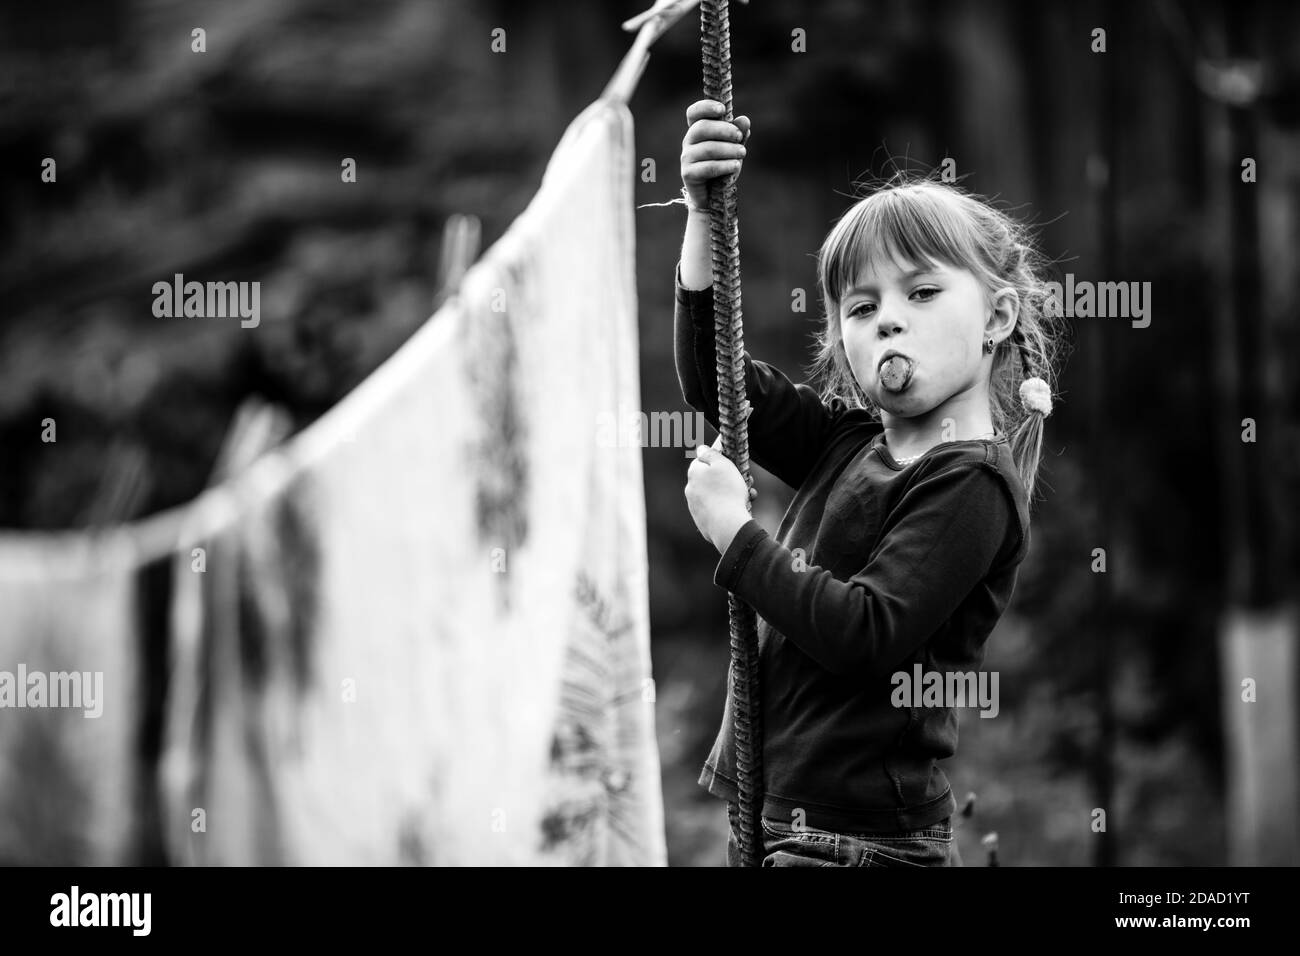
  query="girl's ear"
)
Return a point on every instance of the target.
[{"x": 1005, "y": 310}]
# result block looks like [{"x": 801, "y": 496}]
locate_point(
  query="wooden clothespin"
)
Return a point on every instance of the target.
[
  {"x": 666, "y": 12},
  {"x": 990, "y": 843},
  {"x": 460, "y": 247}
]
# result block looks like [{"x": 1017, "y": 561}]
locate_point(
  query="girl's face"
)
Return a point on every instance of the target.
[{"x": 933, "y": 314}]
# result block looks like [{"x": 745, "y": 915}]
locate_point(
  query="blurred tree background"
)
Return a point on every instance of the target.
[{"x": 226, "y": 165}]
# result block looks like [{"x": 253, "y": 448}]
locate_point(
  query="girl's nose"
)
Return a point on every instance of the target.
[{"x": 888, "y": 322}]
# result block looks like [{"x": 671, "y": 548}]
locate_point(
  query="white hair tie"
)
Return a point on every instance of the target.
[{"x": 1036, "y": 396}]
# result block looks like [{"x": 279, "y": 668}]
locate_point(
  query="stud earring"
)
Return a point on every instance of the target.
[{"x": 988, "y": 345}]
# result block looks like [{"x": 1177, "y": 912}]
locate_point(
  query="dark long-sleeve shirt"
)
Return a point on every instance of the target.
[{"x": 875, "y": 567}]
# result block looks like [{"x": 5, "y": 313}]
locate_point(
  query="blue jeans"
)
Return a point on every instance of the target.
[{"x": 783, "y": 845}]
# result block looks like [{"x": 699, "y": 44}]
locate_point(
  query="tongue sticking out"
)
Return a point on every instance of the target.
[{"x": 896, "y": 373}]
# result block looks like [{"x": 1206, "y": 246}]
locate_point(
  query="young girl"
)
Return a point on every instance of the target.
[{"x": 914, "y": 467}]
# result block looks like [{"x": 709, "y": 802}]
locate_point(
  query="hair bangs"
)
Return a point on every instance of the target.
[{"x": 917, "y": 225}]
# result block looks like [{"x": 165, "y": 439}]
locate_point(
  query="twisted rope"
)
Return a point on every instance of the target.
[{"x": 733, "y": 409}]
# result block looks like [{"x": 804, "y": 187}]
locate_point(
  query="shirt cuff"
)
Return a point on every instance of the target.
[
  {"x": 733, "y": 561},
  {"x": 698, "y": 302}
]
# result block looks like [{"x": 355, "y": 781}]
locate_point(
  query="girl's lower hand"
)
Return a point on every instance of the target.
[{"x": 717, "y": 495}]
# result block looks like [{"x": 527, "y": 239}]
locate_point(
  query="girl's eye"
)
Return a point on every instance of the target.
[{"x": 924, "y": 294}]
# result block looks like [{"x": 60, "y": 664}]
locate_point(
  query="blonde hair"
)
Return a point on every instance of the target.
[{"x": 925, "y": 221}]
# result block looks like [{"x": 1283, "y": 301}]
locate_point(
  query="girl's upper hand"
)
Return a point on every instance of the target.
[{"x": 711, "y": 148}]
